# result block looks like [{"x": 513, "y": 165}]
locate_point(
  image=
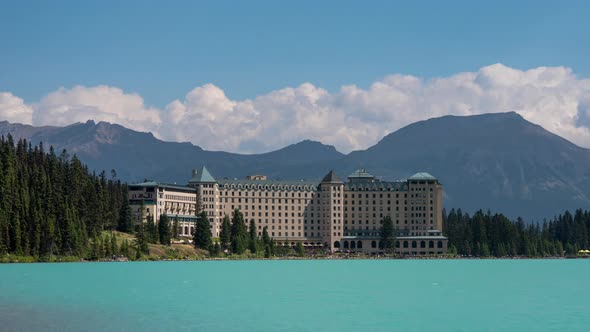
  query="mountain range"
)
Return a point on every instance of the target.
[{"x": 494, "y": 161}]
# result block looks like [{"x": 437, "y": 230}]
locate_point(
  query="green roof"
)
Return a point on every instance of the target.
[
  {"x": 331, "y": 178},
  {"x": 202, "y": 175},
  {"x": 422, "y": 176}
]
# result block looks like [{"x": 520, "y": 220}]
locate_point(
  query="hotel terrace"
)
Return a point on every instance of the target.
[{"x": 330, "y": 214}]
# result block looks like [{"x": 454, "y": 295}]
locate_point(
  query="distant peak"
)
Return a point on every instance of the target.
[
  {"x": 497, "y": 115},
  {"x": 309, "y": 142}
]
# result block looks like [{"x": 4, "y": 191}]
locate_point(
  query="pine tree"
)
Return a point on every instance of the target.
[
  {"x": 95, "y": 253},
  {"x": 388, "y": 236},
  {"x": 153, "y": 235},
  {"x": 215, "y": 250},
  {"x": 252, "y": 237},
  {"x": 267, "y": 242},
  {"x": 267, "y": 252},
  {"x": 141, "y": 244},
  {"x": 108, "y": 252},
  {"x": 225, "y": 234},
  {"x": 164, "y": 230},
  {"x": 114, "y": 248},
  {"x": 175, "y": 228},
  {"x": 202, "y": 237},
  {"x": 125, "y": 218},
  {"x": 239, "y": 233},
  {"x": 124, "y": 249}
]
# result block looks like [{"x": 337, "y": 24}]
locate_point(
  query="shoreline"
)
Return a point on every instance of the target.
[{"x": 8, "y": 259}]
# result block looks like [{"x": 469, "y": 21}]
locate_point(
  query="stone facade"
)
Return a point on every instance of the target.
[{"x": 330, "y": 214}]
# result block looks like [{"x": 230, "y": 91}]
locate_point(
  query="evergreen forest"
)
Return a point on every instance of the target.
[
  {"x": 487, "y": 234},
  {"x": 52, "y": 205}
]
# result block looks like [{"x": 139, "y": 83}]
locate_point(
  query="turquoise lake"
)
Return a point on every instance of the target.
[{"x": 320, "y": 295}]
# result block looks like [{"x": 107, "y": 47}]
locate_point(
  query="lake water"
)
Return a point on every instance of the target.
[{"x": 350, "y": 295}]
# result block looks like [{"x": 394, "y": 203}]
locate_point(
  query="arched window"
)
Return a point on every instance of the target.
[
  {"x": 373, "y": 244},
  {"x": 414, "y": 244},
  {"x": 422, "y": 244},
  {"x": 440, "y": 244},
  {"x": 405, "y": 244},
  {"x": 336, "y": 244},
  {"x": 352, "y": 245},
  {"x": 397, "y": 244},
  {"x": 186, "y": 230},
  {"x": 359, "y": 244},
  {"x": 430, "y": 244},
  {"x": 345, "y": 244}
]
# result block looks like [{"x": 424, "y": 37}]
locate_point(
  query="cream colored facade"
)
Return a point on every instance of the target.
[
  {"x": 329, "y": 214},
  {"x": 177, "y": 202}
]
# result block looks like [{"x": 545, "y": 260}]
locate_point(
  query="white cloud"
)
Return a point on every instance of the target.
[
  {"x": 100, "y": 103},
  {"x": 351, "y": 118},
  {"x": 14, "y": 109}
]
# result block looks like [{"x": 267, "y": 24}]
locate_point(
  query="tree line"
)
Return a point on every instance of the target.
[{"x": 487, "y": 234}]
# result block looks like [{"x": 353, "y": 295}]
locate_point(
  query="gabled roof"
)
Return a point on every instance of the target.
[
  {"x": 202, "y": 175},
  {"x": 331, "y": 178},
  {"x": 422, "y": 176}
]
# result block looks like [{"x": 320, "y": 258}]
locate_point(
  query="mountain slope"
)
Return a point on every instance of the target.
[
  {"x": 496, "y": 161},
  {"x": 136, "y": 155}
]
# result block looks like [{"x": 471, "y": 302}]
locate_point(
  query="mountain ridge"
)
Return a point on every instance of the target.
[{"x": 496, "y": 161}]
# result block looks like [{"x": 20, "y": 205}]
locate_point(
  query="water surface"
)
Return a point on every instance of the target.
[{"x": 349, "y": 295}]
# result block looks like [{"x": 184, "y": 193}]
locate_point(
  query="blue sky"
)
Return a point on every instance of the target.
[
  {"x": 249, "y": 48},
  {"x": 253, "y": 76}
]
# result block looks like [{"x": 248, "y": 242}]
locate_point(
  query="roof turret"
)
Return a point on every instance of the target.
[
  {"x": 202, "y": 175},
  {"x": 422, "y": 176},
  {"x": 331, "y": 178}
]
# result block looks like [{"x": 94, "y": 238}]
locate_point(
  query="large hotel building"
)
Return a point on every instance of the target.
[{"x": 331, "y": 214}]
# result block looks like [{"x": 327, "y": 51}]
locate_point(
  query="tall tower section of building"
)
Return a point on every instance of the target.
[
  {"x": 207, "y": 192},
  {"x": 332, "y": 203}
]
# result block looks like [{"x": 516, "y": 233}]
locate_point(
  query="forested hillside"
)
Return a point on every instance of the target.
[{"x": 50, "y": 205}]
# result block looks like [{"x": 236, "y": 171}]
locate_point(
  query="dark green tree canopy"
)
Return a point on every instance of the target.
[{"x": 202, "y": 237}]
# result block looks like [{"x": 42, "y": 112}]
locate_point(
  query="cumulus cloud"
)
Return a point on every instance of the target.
[
  {"x": 100, "y": 103},
  {"x": 351, "y": 118},
  {"x": 355, "y": 118},
  {"x": 14, "y": 109}
]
